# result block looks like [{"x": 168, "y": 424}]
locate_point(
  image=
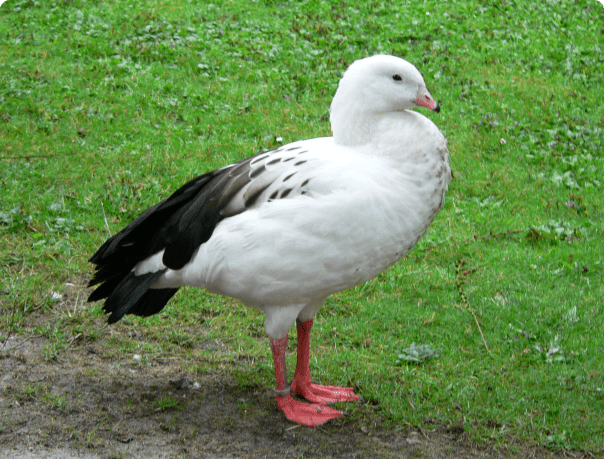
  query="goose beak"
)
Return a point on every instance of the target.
[{"x": 425, "y": 99}]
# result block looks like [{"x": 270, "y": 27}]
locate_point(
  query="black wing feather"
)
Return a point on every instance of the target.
[
  {"x": 177, "y": 225},
  {"x": 132, "y": 296}
]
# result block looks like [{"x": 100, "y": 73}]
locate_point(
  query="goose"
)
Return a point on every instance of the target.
[{"x": 284, "y": 229}]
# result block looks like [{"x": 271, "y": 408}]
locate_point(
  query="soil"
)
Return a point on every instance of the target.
[{"x": 88, "y": 405}]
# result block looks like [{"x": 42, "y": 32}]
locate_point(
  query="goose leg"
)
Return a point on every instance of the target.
[
  {"x": 303, "y": 385},
  {"x": 296, "y": 411}
]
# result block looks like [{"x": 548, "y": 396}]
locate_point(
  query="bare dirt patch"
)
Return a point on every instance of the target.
[{"x": 85, "y": 404}]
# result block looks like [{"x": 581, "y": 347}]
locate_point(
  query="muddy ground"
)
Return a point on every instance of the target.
[{"x": 85, "y": 404}]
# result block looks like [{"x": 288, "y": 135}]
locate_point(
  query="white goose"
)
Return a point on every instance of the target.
[{"x": 284, "y": 229}]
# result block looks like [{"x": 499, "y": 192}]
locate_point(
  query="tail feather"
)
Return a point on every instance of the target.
[
  {"x": 105, "y": 289},
  {"x": 104, "y": 273},
  {"x": 133, "y": 295},
  {"x": 152, "y": 302}
]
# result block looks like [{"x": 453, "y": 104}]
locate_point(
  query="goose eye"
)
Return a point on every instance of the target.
[{"x": 397, "y": 78}]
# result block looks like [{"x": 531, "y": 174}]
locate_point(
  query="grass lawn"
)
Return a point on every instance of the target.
[{"x": 107, "y": 107}]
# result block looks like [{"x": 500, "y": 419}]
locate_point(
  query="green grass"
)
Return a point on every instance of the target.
[{"x": 106, "y": 107}]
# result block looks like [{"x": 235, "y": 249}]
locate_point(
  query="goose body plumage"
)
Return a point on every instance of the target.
[{"x": 284, "y": 229}]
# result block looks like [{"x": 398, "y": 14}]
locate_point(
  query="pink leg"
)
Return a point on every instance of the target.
[
  {"x": 303, "y": 385},
  {"x": 294, "y": 410}
]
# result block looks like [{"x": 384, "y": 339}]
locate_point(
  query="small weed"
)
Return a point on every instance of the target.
[
  {"x": 91, "y": 440},
  {"x": 55, "y": 401},
  {"x": 557, "y": 441},
  {"x": 31, "y": 390},
  {"x": 167, "y": 403},
  {"x": 418, "y": 354}
]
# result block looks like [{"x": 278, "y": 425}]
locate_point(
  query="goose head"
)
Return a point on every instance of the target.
[{"x": 372, "y": 88}]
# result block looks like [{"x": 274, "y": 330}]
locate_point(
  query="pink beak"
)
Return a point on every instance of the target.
[{"x": 425, "y": 99}]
